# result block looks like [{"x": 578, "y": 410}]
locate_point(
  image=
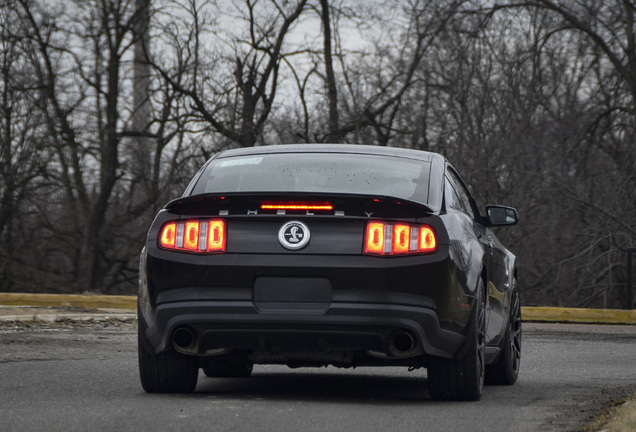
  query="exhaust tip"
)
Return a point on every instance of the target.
[
  {"x": 183, "y": 339},
  {"x": 401, "y": 343}
]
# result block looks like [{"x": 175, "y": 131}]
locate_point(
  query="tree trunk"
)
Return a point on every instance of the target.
[{"x": 332, "y": 91}]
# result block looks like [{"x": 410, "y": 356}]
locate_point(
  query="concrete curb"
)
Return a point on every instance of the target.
[
  {"x": 122, "y": 307},
  {"x": 578, "y": 316},
  {"x": 62, "y": 317},
  {"x": 69, "y": 300},
  {"x": 58, "y": 308}
]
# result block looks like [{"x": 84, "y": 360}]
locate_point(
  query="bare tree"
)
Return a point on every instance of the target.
[
  {"x": 611, "y": 30},
  {"x": 538, "y": 115},
  {"x": 233, "y": 98},
  {"x": 140, "y": 146},
  {"x": 598, "y": 40},
  {"x": 107, "y": 107},
  {"x": 22, "y": 153},
  {"x": 79, "y": 61},
  {"x": 333, "y": 134}
]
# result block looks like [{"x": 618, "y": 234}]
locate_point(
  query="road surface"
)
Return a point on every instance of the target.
[{"x": 80, "y": 376}]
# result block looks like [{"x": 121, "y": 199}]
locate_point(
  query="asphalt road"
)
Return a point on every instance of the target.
[{"x": 84, "y": 377}]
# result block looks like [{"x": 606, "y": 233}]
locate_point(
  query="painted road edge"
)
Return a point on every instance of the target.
[
  {"x": 69, "y": 300},
  {"x": 528, "y": 313},
  {"x": 577, "y": 315}
]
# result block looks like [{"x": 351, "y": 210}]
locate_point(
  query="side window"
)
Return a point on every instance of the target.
[
  {"x": 451, "y": 197},
  {"x": 461, "y": 194}
]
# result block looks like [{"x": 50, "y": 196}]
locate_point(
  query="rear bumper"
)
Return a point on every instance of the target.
[
  {"x": 307, "y": 330},
  {"x": 324, "y": 309}
]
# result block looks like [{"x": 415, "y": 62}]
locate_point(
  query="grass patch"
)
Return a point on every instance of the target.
[
  {"x": 625, "y": 418},
  {"x": 619, "y": 417}
]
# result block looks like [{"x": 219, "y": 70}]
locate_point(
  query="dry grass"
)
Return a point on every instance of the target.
[
  {"x": 620, "y": 417},
  {"x": 624, "y": 419}
]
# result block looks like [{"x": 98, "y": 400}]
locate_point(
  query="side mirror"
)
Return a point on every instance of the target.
[{"x": 501, "y": 216}]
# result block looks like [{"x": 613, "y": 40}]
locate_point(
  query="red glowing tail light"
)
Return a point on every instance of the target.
[
  {"x": 401, "y": 238},
  {"x": 216, "y": 238},
  {"x": 168, "y": 236},
  {"x": 191, "y": 237},
  {"x": 389, "y": 239},
  {"x": 199, "y": 236},
  {"x": 427, "y": 240},
  {"x": 374, "y": 241}
]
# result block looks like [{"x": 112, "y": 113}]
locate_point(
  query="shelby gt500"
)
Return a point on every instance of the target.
[{"x": 313, "y": 255}]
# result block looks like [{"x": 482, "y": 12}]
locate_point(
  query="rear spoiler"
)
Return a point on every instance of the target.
[{"x": 341, "y": 204}]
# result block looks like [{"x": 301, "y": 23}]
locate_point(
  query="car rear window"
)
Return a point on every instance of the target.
[{"x": 317, "y": 172}]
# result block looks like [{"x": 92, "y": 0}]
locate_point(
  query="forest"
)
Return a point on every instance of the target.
[{"x": 109, "y": 107}]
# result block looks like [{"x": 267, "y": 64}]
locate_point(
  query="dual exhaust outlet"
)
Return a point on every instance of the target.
[
  {"x": 400, "y": 343},
  {"x": 184, "y": 340}
]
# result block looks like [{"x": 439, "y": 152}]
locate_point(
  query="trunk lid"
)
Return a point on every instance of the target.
[{"x": 335, "y": 223}]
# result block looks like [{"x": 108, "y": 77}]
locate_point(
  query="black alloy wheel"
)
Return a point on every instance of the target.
[
  {"x": 166, "y": 372},
  {"x": 462, "y": 378},
  {"x": 506, "y": 370}
]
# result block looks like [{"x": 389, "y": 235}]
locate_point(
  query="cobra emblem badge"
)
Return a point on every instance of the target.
[{"x": 294, "y": 235}]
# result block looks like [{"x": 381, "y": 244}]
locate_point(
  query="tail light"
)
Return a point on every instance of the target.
[
  {"x": 199, "y": 236},
  {"x": 398, "y": 239}
]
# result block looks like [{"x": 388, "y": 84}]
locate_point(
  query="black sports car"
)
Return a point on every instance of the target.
[{"x": 315, "y": 255}]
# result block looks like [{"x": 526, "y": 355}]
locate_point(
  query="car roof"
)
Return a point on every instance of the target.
[{"x": 333, "y": 148}]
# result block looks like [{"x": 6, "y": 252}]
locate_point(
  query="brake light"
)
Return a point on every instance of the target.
[
  {"x": 296, "y": 206},
  {"x": 168, "y": 235},
  {"x": 374, "y": 242},
  {"x": 191, "y": 239},
  {"x": 200, "y": 236},
  {"x": 216, "y": 239},
  {"x": 401, "y": 238},
  {"x": 398, "y": 239},
  {"x": 427, "y": 240}
]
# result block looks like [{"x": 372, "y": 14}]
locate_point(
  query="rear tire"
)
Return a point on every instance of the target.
[
  {"x": 506, "y": 370},
  {"x": 462, "y": 378},
  {"x": 227, "y": 369},
  {"x": 165, "y": 372}
]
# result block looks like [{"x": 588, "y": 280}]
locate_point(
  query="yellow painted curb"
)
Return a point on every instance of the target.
[
  {"x": 69, "y": 300},
  {"x": 528, "y": 313},
  {"x": 582, "y": 316}
]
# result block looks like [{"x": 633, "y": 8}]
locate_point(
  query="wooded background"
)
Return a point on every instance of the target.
[{"x": 108, "y": 108}]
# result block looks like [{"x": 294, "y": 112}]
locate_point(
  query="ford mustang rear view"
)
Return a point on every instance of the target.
[{"x": 329, "y": 255}]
